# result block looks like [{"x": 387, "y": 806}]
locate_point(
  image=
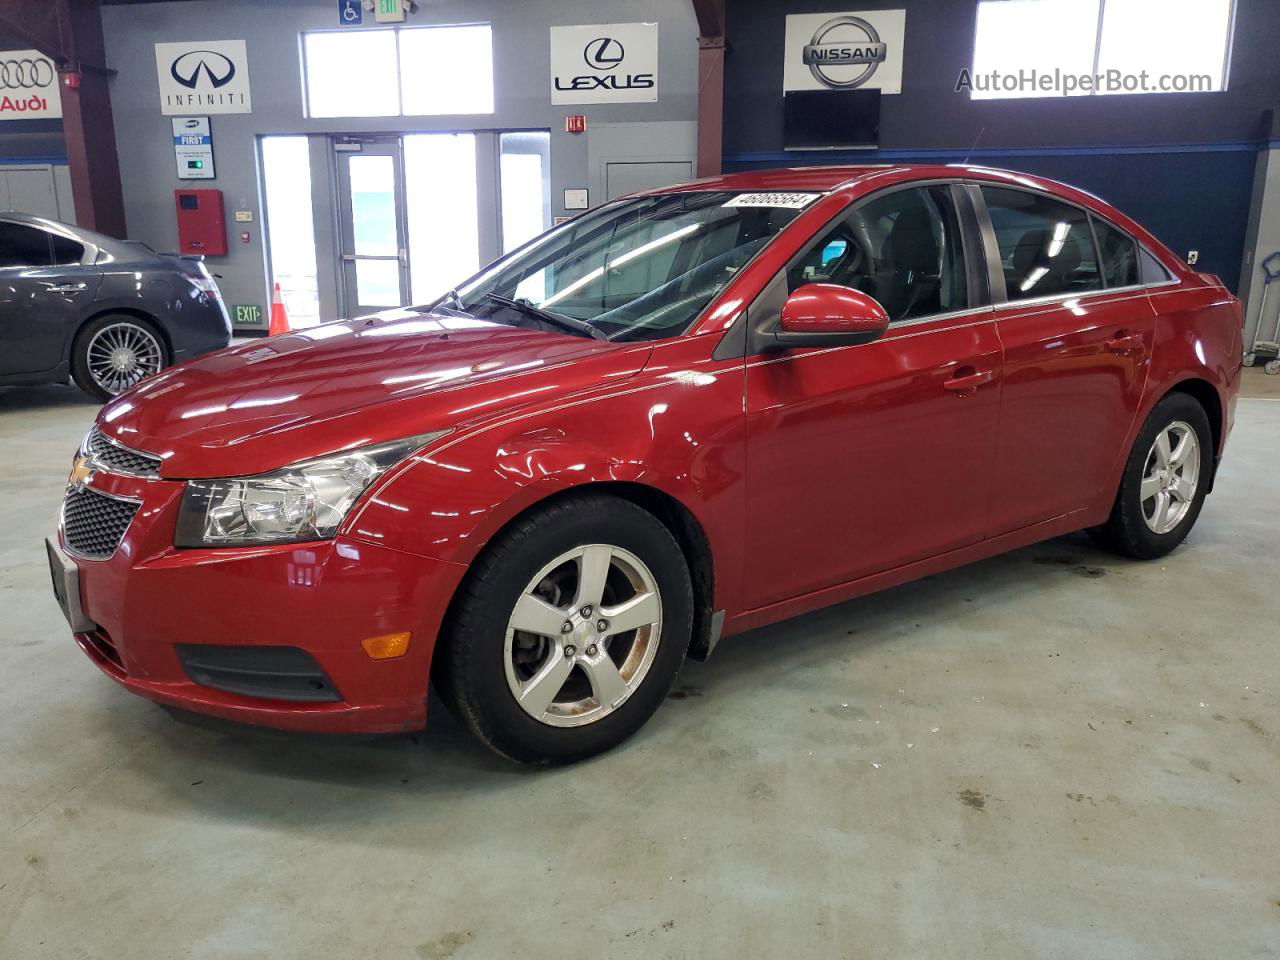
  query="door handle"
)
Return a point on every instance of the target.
[
  {"x": 66, "y": 287},
  {"x": 1124, "y": 342},
  {"x": 967, "y": 378}
]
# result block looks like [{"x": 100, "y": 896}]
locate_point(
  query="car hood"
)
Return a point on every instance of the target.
[{"x": 272, "y": 402}]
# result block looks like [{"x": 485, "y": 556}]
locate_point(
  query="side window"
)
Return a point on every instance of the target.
[
  {"x": 903, "y": 249},
  {"x": 1153, "y": 271},
  {"x": 23, "y": 246},
  {"x": 1119, "y": 254},
  {"x": 1046, "y": 247},
  {"x": 66, "y": 250}
]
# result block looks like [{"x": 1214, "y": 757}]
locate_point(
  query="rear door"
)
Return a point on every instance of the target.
[
  {"x": 1076, "y": 326},
  {"x": 864, "y": 458},
  {"x": 44, "y": 291}
]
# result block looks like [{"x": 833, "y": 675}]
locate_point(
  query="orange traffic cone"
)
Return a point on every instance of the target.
[{"x": 279, "y": 319}]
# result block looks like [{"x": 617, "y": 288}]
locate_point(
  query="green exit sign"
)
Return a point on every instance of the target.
[
  {"x": 388, "y": 11},
  {"x": 246, "y": 315}
]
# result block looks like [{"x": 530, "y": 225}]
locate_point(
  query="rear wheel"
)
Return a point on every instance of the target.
[
  {"x": 114, "y": 352},
  {"x": 568, "y": 632},
  {"x": 1165, "y": 481}
]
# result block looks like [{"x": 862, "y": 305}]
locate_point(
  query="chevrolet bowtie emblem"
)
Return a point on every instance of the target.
[{"x": 81, "y": 471}]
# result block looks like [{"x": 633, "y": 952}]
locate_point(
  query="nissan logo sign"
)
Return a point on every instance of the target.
[
  {"x": 216, "y": 67},
  {"x": 842, "y": 44},
  {"x": 603, "y": 53},
  {"x": 25, "y": 74}
]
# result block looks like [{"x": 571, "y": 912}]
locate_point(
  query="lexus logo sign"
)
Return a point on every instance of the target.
[
  {"x": 604, "y": 63},
  {"x": 28, "y": 86},
  {"x": 190, "y": 68},
  {"x": 844, "y": 51},
  {"x": 604, "y": 53},
  {"x": 205, "y": 77}
]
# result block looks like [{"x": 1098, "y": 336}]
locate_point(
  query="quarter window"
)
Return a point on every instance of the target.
[
  {"x": 1046, "y": 247},
  {"x": 1119, "y": 255},
  {"x": 23, "y": 246},
  {"x": 66, "y": 250},
  {"x": 903, "y": 249}
]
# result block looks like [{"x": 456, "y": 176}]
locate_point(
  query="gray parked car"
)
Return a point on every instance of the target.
[{"x": 104, "y": 312}]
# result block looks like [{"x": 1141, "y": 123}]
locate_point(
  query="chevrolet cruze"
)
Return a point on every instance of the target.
[{"x": 683, "y": 415}]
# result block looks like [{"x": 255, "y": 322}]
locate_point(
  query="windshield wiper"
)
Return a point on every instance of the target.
[{"x": 572, "y": 324}]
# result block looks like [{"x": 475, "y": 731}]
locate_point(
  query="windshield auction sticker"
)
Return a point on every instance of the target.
[{"x": 789, "y": 201}]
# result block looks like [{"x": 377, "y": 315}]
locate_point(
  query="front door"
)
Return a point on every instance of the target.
[
  {"x": 865, "y": 458},
  {"x": 1077, "y": 330},
  {"x": 375, "y": 257}
]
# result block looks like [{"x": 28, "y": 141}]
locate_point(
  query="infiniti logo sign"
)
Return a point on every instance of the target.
[
  {"x": 188, "y": 68},
  {"x": 209, "y": 76},
  {"x": 604, "y": 53}
]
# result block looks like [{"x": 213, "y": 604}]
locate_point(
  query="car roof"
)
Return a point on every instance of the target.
[{"x": 830, "y": 178}]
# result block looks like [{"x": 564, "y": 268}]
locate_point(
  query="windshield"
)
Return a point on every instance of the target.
[{"x": 642, "y": 269}]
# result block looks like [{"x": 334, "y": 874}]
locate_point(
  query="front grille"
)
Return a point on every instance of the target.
[
  {"x": 93, "y": 524},
  {"x": 113, "y": 457}
]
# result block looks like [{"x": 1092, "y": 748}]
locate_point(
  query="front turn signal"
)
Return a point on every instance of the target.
[{"x": 386, "y": 647}]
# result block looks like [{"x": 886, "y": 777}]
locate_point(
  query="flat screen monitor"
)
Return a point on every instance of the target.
[{"x": 831, "y": 120}]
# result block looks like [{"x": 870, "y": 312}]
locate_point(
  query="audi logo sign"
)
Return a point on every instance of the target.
[
  {"x": 28, "y": 86},
  {"x": 210, "y": 76},
  {"x": 604, "y": 63}
]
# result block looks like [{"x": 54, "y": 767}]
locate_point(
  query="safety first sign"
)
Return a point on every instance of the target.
[{"x": 28, "y": 86}]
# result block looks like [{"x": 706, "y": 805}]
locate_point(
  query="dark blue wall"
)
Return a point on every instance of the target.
[{"x": 1181, "y": 164}]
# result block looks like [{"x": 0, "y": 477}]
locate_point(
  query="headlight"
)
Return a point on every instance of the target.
[{"x": 307, "y": 501}]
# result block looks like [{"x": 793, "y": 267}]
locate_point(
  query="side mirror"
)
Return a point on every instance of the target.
[{"x": 827, "y": 315}]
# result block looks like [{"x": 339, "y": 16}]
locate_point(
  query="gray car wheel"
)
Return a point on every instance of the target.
[{"x": 115, "y": 352}]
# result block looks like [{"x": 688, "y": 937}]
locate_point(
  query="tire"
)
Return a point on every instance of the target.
[
  {"x": 1136, "y": 528},
  {"x": 485, "y": 662},
  {"x": 95, "y": 369}
]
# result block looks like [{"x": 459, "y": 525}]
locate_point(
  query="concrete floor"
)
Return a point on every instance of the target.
[{"x": 1051, "y": 754}]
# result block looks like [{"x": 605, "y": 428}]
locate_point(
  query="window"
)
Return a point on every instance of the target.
[
  {"x": 23, "y": 246},
  {"x": 1100, "y": 46},
  {"x": 1119, "y": 254},
  {"x": 65, "y": 250},
  {"x": 524, "y": 164},
  {"x": 639, "y": 270},
  {"x": 444, "y": 236},
  {"x": 446, "y": 70},
  {"x": 903, "y": 249},
  {"x": 410, "y": 71},
  {"x": 291, "y": 235},
  {"x": 1046, "y": 247}
]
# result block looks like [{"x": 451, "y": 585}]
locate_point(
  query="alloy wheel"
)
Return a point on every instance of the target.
[
  {"x": 1170, "y": 477},
  {"x": 583, "y": 635},
  {"x": 121, "y": 355}
]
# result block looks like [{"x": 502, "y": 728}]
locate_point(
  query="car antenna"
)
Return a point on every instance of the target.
[{"x": 975, "y": 145}]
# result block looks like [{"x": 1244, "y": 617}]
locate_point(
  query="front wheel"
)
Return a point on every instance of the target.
[
  {"x": 1165, "y": 481},
  {"x": 568, "y": 632},
  {"x": 114, "y": 352}
]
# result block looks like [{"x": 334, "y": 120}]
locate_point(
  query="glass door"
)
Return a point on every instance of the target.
[{"x": 375, "y": 260}]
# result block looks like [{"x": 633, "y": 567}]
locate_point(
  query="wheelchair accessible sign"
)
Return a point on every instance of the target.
[{"x": 350, "y": 13}]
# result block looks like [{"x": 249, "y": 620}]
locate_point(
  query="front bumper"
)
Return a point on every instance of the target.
[{"x": 149, "y": 599}]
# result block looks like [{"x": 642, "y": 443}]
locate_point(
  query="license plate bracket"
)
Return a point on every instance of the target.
[{"x": 65, "y": 576}]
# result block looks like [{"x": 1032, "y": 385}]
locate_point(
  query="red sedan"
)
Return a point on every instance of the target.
[{"x": 680, "y": 416}]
